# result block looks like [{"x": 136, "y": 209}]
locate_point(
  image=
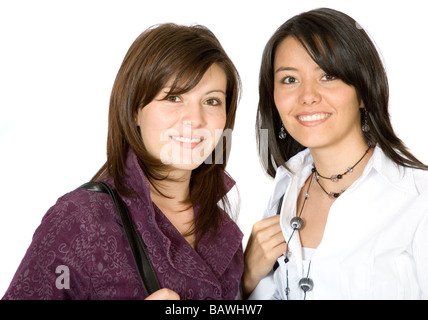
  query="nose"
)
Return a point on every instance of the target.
[
  {"x": 193, "y": 115},
  {"x": 309, "y": 94}
]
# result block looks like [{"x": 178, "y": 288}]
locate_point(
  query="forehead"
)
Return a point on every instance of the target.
[
  {"x": 290, "y": 53},
  {"x": 213, "y": 76}
]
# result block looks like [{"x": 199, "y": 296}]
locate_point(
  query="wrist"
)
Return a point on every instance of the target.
[{"x": 248, "y": 284}]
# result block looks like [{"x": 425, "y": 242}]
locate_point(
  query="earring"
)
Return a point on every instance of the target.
[
  {"x": 365, "y": 127},
  {"x": 282, "y": 133}
]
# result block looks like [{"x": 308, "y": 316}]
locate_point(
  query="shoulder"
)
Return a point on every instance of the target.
[
  {"x": 405, "y": 179},
  {"x": 79, "y": 204},
  {"x": 76, "y": 215}
]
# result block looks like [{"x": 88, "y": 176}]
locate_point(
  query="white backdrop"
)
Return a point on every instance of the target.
[{"x": 58, "y": 61}]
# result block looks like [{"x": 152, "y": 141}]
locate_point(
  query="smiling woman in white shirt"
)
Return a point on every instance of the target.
[{"x": 348, "y": 216}]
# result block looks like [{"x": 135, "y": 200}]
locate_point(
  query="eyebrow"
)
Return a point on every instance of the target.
[
  {"x": 212, "y": 91},
  {"x": 168, "y": 90},
  {"x": 280, "y": 69},
  {"x": 285, "y": 69}
]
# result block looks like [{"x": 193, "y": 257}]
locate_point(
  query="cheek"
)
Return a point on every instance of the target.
[
  {"x": 282, "y": 100},
  {"x": 284, "y": 105},
  {"x": 347, "y": 105},
  {"x": 152, "y": 128},
  {"x": 216, "y": 128},
  {"x": 150, "y": 138},
  {"x": 221, "y": 123},
  {"x": 277, "y": 98}
]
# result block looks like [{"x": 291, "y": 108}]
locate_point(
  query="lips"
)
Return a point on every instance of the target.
[
  {"x": 186, "y": 140},
  {"x": 188, "y": 143},
  {"x": 313, "y": 118}
]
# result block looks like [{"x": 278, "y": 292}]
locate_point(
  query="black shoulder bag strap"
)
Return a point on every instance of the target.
[{"x": 144, "y": 266}]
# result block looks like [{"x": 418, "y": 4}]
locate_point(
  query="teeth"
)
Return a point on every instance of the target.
[
  {"x": 314, "y": 117},
  {"x": 186, "y": 140}
]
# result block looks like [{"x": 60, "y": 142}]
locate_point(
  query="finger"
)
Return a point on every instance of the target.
[
  {"x": 271, "y": 249},
  {"x": 163, "y": 294},
  {"x": 266, "y": 223},
  {"x": 263, "y": 234},
  {"x": 275, "y": 240},
  {"x": 264, "y": 254},
  {"x": 279, "y": 250}
]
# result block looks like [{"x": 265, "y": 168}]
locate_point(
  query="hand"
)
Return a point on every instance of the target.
[
  {"x": 265, "y": 245},
  {"x": 163, "y": 294}
]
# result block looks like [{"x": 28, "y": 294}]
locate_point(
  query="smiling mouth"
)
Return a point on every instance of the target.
[
  {"x": 313, "y": 117},
  {"x": 186, "y": 140}
]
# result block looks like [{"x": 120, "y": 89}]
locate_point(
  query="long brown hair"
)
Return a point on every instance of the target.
[
  {"x": 158, "y": 54},
  {"x": 342, "y": 49}
]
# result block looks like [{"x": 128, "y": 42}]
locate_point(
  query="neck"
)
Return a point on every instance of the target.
[
  {"x": 346, "y": 164},
  {"x": 173, "y": 192},
  {"x": 172, "y": 198},
  {"x": 336, "y": 160}
]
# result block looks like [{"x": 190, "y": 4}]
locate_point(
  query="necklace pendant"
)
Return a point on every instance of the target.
[
  {"x": 306, "y": 284},
  {"x": 336, "y": 178},
  {"x": 296, "y": 223},
  {"x": 333, "y": 195}
]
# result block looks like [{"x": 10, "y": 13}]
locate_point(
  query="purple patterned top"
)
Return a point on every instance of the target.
[{"x": 80, "y": 251}]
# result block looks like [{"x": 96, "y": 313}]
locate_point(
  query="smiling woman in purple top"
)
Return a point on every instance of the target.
[{"x": 172, "y": 108}]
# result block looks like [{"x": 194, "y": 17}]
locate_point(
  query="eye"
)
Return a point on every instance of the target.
[
  {"x": 173, "y": 98},
  {"x": 289, "y": 80},
  {"x": 328, "y": 77},
  {"x": 213, "y": 102}
]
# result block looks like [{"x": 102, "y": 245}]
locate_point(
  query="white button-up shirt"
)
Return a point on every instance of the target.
[{"x": 375, "y": 242}]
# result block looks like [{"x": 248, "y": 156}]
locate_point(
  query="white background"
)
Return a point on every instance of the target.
[{"x": 58, "y": 61}]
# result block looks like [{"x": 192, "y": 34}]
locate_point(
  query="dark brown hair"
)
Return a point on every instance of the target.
[
  {"x": 161, "y": 53},
  {"x": 342, "y": 49}
]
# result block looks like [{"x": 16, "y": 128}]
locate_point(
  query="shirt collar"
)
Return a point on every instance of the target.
[
  {"x": 299, "y": 165},
  {"x": 217, "y": 252}
]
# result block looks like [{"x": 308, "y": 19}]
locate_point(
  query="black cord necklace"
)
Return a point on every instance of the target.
[
  {"x": 336, "y": 177},
  {"x": 296, "y": 223}
]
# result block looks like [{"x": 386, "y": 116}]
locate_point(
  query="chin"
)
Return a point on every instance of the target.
[
  {"x": 312, "y": 143},
  {"x": 185, "y": 166}
]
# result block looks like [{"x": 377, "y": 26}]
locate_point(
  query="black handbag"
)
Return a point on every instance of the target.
[{"x": 142, "y": 261}]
